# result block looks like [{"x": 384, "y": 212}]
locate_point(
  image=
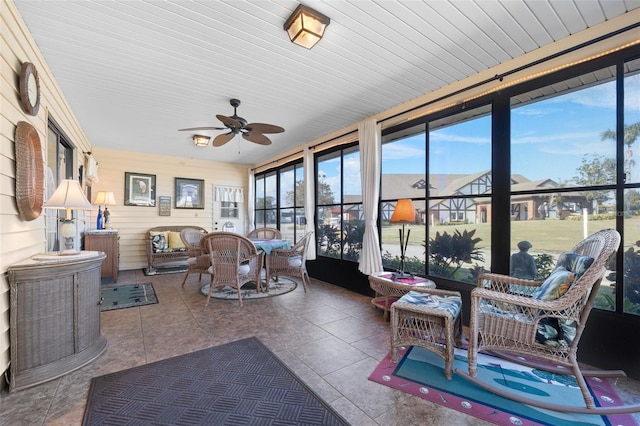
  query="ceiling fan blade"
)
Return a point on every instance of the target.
[
  {"x": 203, "y": 128},
  {"x": 264, "y": 128},
  {"x": 258, "y": 138},
  {"x": 228, "y": 121},
  {"x": 223, "y": 138}
]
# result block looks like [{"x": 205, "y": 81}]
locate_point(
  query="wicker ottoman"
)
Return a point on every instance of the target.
[{"x": 430, "y": 319}]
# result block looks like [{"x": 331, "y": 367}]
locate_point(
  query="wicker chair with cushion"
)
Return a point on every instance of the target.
[
  {"x": 266, "y": 233},
  {"x": 198, "y": 261},
  {"x": 290, "y": 262},
  {"x": 544, "y": 321},
  {"x": 234, "y": 261}
]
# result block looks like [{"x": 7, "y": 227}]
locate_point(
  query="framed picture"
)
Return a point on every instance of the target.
[
  {"x": 189, "y": 193},
  {"x": 164, "y": 206},
  {"x": 139, "y": 189}
]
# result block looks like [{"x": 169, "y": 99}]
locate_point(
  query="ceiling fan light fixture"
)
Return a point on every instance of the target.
[
  {"x": 200, "y": 140},
  {"x": 306, "y": 26}
]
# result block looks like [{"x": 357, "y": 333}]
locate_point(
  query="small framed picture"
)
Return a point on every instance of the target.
[
  {"x": 189, "y": 193},
  {"x": 164, "y": 206},
  {"x": 139, "y": 189}
]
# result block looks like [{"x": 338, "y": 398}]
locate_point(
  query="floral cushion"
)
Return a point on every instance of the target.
[
  {"x": 159, "y": 243},
  {"x": 450, "y": 304},
  {"x": 574, "y": 262},
  {"x": 558, "y": 332},
  {"x": 556, "y": 285}
]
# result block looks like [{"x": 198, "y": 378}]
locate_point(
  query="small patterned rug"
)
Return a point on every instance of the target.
[
  {"x": 421, "y": 373},
  {"x": 248, "y": 291},
  {"x": 118, "y": 296},
  {"x": 239, "y": 383}
]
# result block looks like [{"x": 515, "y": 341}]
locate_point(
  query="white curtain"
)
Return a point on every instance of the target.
[
  {"x": 309, "y": 199},
  {"x": 251, "y": 213},
  {"x": 231, "y": 194},
  {"x": 370, "y": 168}
]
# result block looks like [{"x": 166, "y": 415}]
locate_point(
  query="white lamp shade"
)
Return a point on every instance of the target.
[
  {"x": 105, "y": 198},
  {"x": 69, "y": 195}
]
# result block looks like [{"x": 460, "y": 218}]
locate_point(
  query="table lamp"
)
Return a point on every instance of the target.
[
  {"x": 404, "y": 213},
  {"x": 105, "y": 198},
  {"x": 68, "y": 196}
]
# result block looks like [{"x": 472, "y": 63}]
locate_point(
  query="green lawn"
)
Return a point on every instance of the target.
[{"x": 546, "y": 236}]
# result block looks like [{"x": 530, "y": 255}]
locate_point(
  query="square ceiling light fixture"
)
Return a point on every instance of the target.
[
  {"x": 200, "y": 140},
  {"x": 306, "y": 26}
]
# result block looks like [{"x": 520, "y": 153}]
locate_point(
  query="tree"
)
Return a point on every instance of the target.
[
  {"x": 267, "y": 202},
  {"x": 323, "y": 192},
  {"x": 632, "y": 200},
  {"x": 596, "y": 171},
  {"x": 631, "y": 134}
]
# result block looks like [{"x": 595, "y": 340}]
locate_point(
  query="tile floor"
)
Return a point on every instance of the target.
[{"x": 332, "y": 338}]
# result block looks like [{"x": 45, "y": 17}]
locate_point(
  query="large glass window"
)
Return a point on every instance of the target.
[
  {"x": 631, "y": 258},
  {"x": 460, "y": 186},
  {"x": 404, "y": 162},
  {"x": 280, "y": 200},
  {"x": 563, "y": 136},
  {"x": 339, "y": 204}
]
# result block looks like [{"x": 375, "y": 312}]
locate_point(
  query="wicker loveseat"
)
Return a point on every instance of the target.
[{"x": 171, "y": 251}]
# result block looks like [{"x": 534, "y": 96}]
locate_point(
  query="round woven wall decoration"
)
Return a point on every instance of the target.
[{"x": 29, "y": 171}]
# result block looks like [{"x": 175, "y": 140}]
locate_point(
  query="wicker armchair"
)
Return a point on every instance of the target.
[
  {"x": 290, "y": 262},
  {"x": 234, "y": 261},
  {"x": 266, "y": 233},
  {"x": 198, "y": 261},
  {"x": 507, "y": 313}
]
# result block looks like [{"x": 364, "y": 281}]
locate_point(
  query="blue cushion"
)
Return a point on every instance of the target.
[
  {"x": 555, "y": 286},
  {"x": 574, "y": 262},
  {"x": 450, "y": 304}
]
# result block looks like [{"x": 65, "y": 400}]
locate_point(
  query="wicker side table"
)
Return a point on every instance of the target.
[
  {"x": 388, "y": 291},
  {"x": 429, "y": 319}
]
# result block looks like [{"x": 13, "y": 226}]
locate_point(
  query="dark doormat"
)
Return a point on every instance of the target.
[
  {"x": 239, "y": 383},
  {"x": 118, "y": 296}
]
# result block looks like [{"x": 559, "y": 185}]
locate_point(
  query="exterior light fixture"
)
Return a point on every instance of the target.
[
  {"x": 200, "y": 140},
  {"x": 404, "y": 213},
  {"x": 306, "y": 26},
  {"x": 68, "y": 196}
]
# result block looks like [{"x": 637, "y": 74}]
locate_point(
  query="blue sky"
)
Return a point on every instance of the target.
[{"x": 549, "y": 139}]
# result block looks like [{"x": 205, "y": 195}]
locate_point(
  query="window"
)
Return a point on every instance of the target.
[
  {"x": 280, "y": 200},
  {"x": 59, "y": 167},
  {"x": 229, "y": 209},
  {"x": 460, "y": 186},
  {"x": 562, "y": 138},
  {"x": 631, "y": 240},
  {"x": 339, "y": 204},
  {"x": 404, "y": 162}
]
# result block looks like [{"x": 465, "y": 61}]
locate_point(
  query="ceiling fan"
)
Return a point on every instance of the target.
[{"x": 253, "y": 132}]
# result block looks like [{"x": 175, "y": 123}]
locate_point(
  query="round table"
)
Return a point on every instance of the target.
[{"x": 389, "y": 287}]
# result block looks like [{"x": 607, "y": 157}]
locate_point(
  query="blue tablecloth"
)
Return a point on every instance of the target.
[{"x": 267, "y": 245}]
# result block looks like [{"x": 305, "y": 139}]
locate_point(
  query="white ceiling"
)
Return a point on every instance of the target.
[{"x": 136, "y": 71}]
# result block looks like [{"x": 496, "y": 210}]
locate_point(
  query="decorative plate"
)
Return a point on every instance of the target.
[{"x": 29, "y": 172}]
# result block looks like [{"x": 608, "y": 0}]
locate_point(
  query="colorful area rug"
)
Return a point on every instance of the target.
[
  {"x": 248, "y": 291},
  {"x": 239, "y": 383},
  {"x": 117, "y": 296},
  {"x": 421, "y": 373}
]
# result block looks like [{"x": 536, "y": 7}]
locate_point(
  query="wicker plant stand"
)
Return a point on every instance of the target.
[{"x": 429, "y": 319}]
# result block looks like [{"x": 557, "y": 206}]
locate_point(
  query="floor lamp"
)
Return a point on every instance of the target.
[
  {"x": 404, "y": 213},
  {"x": 68, "y": 196}
]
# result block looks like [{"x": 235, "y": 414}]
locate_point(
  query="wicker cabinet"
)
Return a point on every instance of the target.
[
  {"x": 105, "y": 241},
  {"x": 54, "y": 316}
]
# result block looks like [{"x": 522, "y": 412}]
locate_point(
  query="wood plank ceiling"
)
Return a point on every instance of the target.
[{"x": 136, "y": 71}]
